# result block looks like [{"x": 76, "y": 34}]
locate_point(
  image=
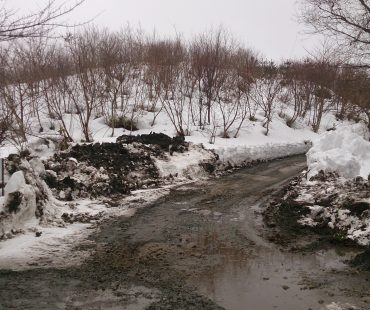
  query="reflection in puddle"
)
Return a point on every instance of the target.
[
  {"x": 274, "y": 280},
  {"x": 263, "y": 277}
]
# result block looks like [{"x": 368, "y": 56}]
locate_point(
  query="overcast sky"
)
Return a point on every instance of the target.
[{"x": 269, "y": 26}]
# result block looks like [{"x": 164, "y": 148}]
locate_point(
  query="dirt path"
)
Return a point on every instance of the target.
[{"x": 201, "y": 247}]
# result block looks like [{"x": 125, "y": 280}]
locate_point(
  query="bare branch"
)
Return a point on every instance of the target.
[{"x": 37, "y": 24}]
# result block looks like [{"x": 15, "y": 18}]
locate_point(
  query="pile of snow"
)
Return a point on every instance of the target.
[
  {"x": 249, "y": 153},
  {"x": 252, "y": 144},
  {"x": 185, "y": 165},
  {"x": 345, "y": 151},
  {"x": 19, "y": 205},
  {"x": 27, "y": 197}
]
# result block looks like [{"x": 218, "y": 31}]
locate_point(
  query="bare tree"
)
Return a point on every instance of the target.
[
  {"x": 224, "y": 96},
  {"x": 57, "y": 92},
  {"x": 116, "y": 67},
  {"x": 86, "y": 86},
  {"x": 156, "y": 58},
  {"x": 208, "y": 56},
  {"x": 36, "y": 24},
  {"x": 265, "y": 91},
  {"x": 176, "y": 85},
  {"x": 244, "y": 70},
  {"x": 359, "y": 95},
  {"x": 346, "y": 20},
  {"x": 16, "y": 96},
  {"x": 23, "y": 71},
  {"x": 293, "y": 75},
  {"x": 4, "y": 123}
]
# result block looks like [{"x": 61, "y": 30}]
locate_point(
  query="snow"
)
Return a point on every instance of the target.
[
  {"x": 249, "y": 153},
  {"x": 16, "y": 183},
  {"x": 334, "y": 202},
  {"x": 52, "y": 248},
  {"x": 336, "y": 306},
  {"x": 42, "y": 147},
  {"x": 250, "y": 145},
  {"x": 345, "y": 151},
  {"x": 16, "y": 219},
  {"x": 37, "y": 166},
  {"x": 6, "y": 150},
  {"x": 184, "y": 165},
  {"x": 56, "y": 245}
]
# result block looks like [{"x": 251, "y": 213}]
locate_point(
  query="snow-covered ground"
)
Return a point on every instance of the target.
[
  {"x": 57, "y": 245},
  {"x": 250, "y": 145}
]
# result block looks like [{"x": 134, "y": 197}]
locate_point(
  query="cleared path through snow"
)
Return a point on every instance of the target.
[{"x": 200, "y": 247}]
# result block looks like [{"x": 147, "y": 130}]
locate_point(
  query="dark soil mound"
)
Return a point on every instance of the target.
[
  {"x": 110, "y": 156},
  {"x": 287, "y": 208},
  {"x": 102, "y": 170},
  {"x": 358, "y": 208},
  {"x": 166, "y": 143}
]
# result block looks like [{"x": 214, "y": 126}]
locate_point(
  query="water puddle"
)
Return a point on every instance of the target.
[{"x": 274, "y": 280}]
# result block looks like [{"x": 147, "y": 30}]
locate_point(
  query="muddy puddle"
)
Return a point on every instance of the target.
[{"x": 272, "y": 279}]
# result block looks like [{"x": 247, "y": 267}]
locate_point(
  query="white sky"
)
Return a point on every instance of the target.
[{"x": 268, "y": 26}]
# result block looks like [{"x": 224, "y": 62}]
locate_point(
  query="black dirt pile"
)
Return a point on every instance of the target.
[
  {"x": 282, "y": 214},
  {"x": 325, "y": 210},
  {"x": 106, "y": 169},
  {"x": 159, "y": 140}
]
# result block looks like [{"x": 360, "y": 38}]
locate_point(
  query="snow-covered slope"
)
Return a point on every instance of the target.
[{"x": 251, "y": 138}]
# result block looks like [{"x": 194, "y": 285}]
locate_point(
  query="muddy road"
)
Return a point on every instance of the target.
[{"x": 204, "y": 246}]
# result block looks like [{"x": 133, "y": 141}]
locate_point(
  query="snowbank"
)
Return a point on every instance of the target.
[
  {"x": 27, "y": 198},
  {"x": 185, "y": 165},
  {"x": 19, "y": 205},
  {"x": 268, "y": 151},
  {"x": 345, "y": 151}
]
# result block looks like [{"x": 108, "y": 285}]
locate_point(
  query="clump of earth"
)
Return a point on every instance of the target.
[
  {"x": 161, "y": 141},
  {"x": 335, "y": 209},
  {"x": 106, "y": 169}
]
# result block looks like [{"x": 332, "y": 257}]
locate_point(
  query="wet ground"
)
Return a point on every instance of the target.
[{"x": 204, "y": 246}]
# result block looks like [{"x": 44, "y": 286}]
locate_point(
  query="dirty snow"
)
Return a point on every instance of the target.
[
  {"x": 336, "y": 306},
  {"x": 333, "y": 201},
  {"x": 11, "y": 220},
  {"x": 184, "y": 165},
  {"x": 53, "y": 247}
]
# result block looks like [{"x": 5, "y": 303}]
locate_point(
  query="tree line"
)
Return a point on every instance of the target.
[{"x": 209, "y": 83}]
